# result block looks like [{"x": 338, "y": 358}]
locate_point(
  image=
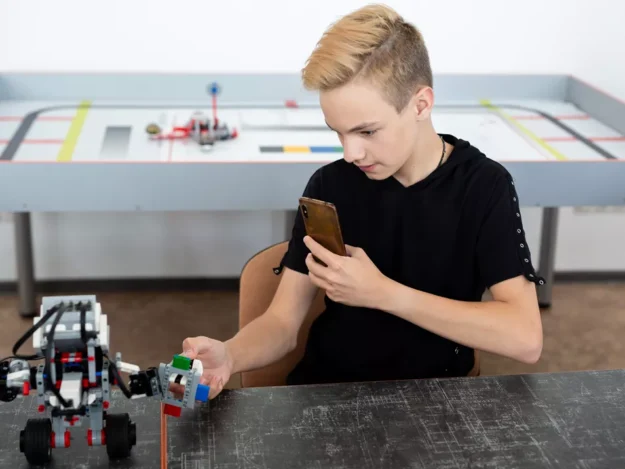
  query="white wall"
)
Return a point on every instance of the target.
[
  {"x": 601, "y": 42},
  {"x": 481, "y": 35},
  {"x": 277, "y": 35}
]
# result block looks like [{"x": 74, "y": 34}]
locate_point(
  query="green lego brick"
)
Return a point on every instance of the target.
[{"x": 182, "y": 363}]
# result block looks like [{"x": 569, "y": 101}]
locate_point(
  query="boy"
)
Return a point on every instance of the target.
[{"x": 430, "y": 223}]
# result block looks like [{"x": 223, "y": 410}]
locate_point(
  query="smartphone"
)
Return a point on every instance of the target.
[{"x": 322, "y": 224}]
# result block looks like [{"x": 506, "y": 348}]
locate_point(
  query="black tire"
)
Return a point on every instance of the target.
[
  {"x": 35, "y": 441},
  {"x": 121, "y": 435}
]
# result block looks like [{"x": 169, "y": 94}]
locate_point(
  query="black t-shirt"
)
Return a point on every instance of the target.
[{"x": 453, "y": 234}]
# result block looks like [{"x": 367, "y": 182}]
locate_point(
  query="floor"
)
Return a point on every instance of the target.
[{"x": 584, "y": 329}]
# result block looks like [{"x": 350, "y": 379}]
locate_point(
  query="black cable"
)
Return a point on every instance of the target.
[
  {"x": 83, "y": 329},
  {"x": 29, "y": 333},
  {"x": 120, "y": 383},
  {"x": 49, "y": 354}
]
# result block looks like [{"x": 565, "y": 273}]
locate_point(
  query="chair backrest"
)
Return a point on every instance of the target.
[{"x": 258, "y": 285}]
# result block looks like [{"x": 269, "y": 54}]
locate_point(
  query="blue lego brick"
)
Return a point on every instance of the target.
[{"x": 201, "y": 394}]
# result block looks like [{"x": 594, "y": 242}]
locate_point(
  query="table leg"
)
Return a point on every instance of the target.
[
  {"x": 25, "y": 265},
  {"x": 547, "y": 254}
]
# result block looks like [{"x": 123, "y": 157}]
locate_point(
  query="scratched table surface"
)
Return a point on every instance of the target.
[{"x": 571, "y": 420}]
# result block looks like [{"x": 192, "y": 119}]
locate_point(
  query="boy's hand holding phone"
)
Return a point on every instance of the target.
[{"x": 352, "y": 280}]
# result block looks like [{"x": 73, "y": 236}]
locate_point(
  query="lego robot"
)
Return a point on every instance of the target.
[
  {"x": 199, "y": 127},
  {"x": 71, "y": 335}
]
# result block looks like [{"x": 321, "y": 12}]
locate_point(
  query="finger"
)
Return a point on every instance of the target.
[
  {"x": 176, "y": 390},
  {"x": 216, "y": 386},
  {"x": 189, "y": 347},
  {"x": 328, "y": 257},
  {"x": 193, "y": 346},
  {"x": 330, "y": 277},
  {"x": 315, "y": 267},
  {"x": 321, "y": 283}
]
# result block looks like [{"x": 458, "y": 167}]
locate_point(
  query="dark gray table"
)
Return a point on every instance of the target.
[{"x": 568, "y": 420}]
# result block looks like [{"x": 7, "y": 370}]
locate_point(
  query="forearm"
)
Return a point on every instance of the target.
[
  {"x": 261, "y": 342},
  {"x": 493, "y": 326}
]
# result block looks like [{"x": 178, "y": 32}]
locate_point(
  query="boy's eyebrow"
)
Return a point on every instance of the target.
[{"x": 362, "y": 126}]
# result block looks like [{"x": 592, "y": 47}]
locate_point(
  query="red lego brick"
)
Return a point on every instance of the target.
[{"x": 172, "y": 410}]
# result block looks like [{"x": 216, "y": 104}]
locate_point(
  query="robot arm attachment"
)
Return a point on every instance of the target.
[{"x": 156, "y": 381}]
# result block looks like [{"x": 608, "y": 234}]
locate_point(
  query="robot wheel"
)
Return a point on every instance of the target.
[
  {"x": 121, "y": 435},
  {"x": 36, "y": 441}
]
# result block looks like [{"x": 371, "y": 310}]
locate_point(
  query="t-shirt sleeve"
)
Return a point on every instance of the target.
[
  {"x": 295, "y": 257},
  {"x": 502, "y": 249}
]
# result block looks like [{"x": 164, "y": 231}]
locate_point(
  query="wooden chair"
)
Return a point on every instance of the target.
[{"x": 258, "y": 284}]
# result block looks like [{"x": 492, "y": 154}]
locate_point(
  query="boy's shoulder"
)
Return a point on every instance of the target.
[{"x": 472, "y": 161}]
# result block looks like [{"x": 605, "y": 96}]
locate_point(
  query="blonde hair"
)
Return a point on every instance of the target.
[{"x": 374, "y": 44}]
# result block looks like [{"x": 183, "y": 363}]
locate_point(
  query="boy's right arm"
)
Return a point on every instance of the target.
[{"x": 272, "y": 335}]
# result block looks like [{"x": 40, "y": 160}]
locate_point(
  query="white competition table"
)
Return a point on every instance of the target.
[{"x": 77, "y": 142}]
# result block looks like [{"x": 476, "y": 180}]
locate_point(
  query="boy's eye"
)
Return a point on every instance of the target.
[{"x": 368, "y": 132}]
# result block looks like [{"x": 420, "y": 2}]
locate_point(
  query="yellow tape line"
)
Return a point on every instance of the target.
[
  {"x": 296, "y": 149},
  {"x": 525, "y": 130},
  {"x": 67, "y": 149}
]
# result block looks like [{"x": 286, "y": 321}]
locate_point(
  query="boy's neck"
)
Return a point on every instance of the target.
[{"x": 425, "y": 157}]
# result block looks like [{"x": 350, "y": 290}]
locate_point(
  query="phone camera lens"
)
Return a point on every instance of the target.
[{"x": 305, "y": 211}]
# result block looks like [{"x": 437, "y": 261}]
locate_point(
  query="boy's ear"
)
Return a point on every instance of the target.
[{"x": 423, "y": 100}]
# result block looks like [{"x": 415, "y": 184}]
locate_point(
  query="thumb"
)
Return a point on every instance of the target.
[{"x": 190, "y": 347}]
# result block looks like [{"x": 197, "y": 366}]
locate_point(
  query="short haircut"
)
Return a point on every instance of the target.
[{"x": 373, "y": 44}]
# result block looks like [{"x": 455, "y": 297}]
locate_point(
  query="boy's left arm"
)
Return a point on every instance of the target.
[{"x": 508, "y": 325}]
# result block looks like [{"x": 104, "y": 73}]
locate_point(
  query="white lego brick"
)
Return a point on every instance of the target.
[
  {"x": 104, "y": 333},
  {"x": 93, "y": 396},
  {"x": 17, "y": 378},
  {"x": 37, "y": 336},
  {"x": 71, "y": 388},
  {"x": 128, "y": 367}
]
